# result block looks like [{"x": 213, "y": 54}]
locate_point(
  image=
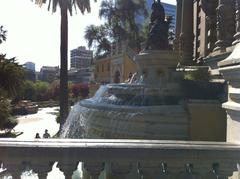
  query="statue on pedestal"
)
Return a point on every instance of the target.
[{"x": 158, "y": 28}]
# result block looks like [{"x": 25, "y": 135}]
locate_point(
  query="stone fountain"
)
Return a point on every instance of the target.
[{"x": 147, "y": 108}]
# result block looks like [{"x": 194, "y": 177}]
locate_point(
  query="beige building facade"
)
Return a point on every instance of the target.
[{"x": 116, "y": 67}]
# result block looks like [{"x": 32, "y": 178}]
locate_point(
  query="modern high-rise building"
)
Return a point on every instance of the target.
[{"x": 81, "y": 58}]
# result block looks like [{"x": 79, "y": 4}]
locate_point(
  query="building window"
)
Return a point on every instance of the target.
[
  {"x": 97, "y": 68},
  {"x": 102, "y": 68},
  {"x": 108, "y": 67}
]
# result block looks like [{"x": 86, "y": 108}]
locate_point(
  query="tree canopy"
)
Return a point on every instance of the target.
[{"x": 121, "y": 24}]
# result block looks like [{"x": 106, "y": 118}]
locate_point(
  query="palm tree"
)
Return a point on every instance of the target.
[
  {"x": 65, "y": 7},
  {"x": 98, "y": 37}
]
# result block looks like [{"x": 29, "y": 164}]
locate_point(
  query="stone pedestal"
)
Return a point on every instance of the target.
[
  {"x": 230, "y": 68},
  {"x": 153, "y": 66}
]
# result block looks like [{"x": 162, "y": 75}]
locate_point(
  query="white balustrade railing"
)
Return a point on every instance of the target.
[{"x": 151, "y": 159}]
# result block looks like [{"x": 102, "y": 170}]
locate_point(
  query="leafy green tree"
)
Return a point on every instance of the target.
[
  {"x": 65, "y": 7},
  {"x": 121, "y": 25},
  {"x": 7, "y": 122},
  {"x": 121, "y": 16},
  {"x": 41, "y": 88},
  {"x": 29, "y": 91},
  {"x": 54, "y": 90},
  {"x": 11, "y": 75}
]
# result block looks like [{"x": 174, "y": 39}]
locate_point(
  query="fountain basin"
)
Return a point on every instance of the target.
[{"x": 110, "y": 121}]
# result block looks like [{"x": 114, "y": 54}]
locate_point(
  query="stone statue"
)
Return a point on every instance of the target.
[{"x": 158, "y": 28}]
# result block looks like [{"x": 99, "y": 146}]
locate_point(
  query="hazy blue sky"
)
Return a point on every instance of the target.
[{"x": 34, "y": 33}]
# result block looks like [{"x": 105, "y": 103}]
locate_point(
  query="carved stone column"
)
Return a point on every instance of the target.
[
  {"x": 229, "y": 21},
  {"x": 220, "y": 44},
  {"x": 186, "y": 36},
  {"x": 209, "y": 7},
  {"x": 237, "y": 35},
  {"x": 225, "y": 24},
  {"x": 178, "y": 25}
]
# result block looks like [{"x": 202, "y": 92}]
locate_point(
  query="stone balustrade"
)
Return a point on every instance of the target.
[{"x": 150, "y": 159}]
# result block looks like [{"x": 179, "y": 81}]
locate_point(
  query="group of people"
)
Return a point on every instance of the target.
[{"x": 45, "y": 135}]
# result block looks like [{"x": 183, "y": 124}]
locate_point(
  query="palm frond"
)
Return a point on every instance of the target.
[{"x": 82, "y": 5}]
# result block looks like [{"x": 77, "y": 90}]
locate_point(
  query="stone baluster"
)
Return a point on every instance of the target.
[
  {"x": 67, "y": 167},
  {"x": 94, "y": 169},
  {"x": 120, "y": 170},
  {"x": 237, "y": 35},
  {"x": 214, "y": 172},
  {"x": 189, "y": 172},
  {"x": 149, "y": 170},
  {"x": 186, "y": 36},
  {"x": 15, "y": 168},
  {"x": 164, "y": 173},
  {"x": 220, "y": 44},
  {"x": 42, "y": 168}
]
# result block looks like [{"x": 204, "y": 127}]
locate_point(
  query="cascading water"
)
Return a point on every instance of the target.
[{"x": 148, "y": 109}]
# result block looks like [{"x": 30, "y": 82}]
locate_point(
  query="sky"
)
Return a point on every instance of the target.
[{"x": 33, "y": 33}]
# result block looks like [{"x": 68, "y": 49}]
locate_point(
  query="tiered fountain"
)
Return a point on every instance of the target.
[{"x": 148, "y": 107}]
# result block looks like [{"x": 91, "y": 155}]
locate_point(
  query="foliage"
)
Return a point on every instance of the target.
[
  {"x": 82, "y": 5},
  {"x": 80, "y": 90},
  {"x": 11, "y": 75},
  {"x": 42, "y": 90},
  {"x": 197, "y": 75},
  {"x": 54, "y": 90},
  {"x": 76, "y": 90},
  {"x": 97, "y": 37},
  {"x": 29, "y": 91},
  {"x": 127, "y": 11},
  {"x": 3, "y": 34},
  {"x": 7, "y": 122},
  {"x": 196, "y": 85},
  {"x": 120, "y": 25}
]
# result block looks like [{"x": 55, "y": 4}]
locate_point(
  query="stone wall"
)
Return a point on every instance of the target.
[{"x": 207, "y": 120}]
